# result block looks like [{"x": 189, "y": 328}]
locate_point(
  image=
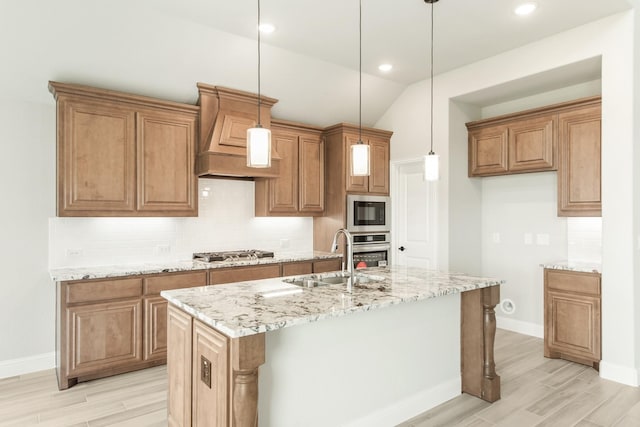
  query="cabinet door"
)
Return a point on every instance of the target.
[
  {"x": 531, "y": 145},
  {"x": 103, "y": 336},
  {"x": 573, "y": 325},
  {"x": 311, "y": 161},
  {"x": 296, "y": 268},
  {"x": 209, "y": 380},
  {"x": 283, "y": 191},
  {"x": 96, "y": 159},
  {"x": 488, "y": 151},
  {"x": 167, "y": 183},
  {"x": 579, "y": 163},
  {"x": 180, "y": 338},
  {"x": 379, "y": 178},
  {"x": 355, "y": 184}
]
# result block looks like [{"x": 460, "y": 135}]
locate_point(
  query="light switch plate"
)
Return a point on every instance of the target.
[
  {"x": 542, "y": 239},
  {"x": 528, "y": 238}
]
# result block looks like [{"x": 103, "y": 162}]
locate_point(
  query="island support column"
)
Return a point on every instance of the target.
[
  {"x": 478, "y": 332},
  {"x": 247, "y": 354}
]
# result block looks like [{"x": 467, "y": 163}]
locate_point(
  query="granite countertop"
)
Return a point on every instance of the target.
[
  {"x": 247, "y": 308},
  {"x": 585, "y": 267},
  {"x": 101, "y": 272}
]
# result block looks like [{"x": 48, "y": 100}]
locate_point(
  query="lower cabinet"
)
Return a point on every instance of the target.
[
  {"x": 572, "y": 316},
  {"x": 325, "y": 265},
  {"x": 240, "y": 274}
]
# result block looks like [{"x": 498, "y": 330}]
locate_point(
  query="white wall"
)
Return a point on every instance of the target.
[
  {"x": 610, "y": 39},
  {"x": 224, "y": 222},
  {"x": 140, "y": 48}
]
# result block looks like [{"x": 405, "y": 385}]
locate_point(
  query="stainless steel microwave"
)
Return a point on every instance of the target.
[{"x": 368, "y": 213}]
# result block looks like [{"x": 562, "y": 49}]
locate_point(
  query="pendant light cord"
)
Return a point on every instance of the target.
[
  {"x": 259, "y": 99},
  {"x": 360, "y": 83},
  {"x": 431, "y": 80}
]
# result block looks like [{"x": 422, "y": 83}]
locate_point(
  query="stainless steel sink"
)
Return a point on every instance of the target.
[{"x": 315, "y": 280}]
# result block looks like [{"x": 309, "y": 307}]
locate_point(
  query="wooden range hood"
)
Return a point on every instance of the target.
[{"x": 225, "y": 116}]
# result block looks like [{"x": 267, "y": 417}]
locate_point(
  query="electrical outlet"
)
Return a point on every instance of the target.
[
  {"x": 528, "y": 238},
  {"x": 284, "y": 243},
  {"x": 495, "y": 237},
  {"x": 163, "y": 249},
  {"x": 74, "y": 252}
]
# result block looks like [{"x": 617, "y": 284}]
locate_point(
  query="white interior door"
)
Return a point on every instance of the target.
[{"x": 414, "y": 229}]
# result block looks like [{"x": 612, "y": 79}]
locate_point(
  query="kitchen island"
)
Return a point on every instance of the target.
[{"x": 404, "y": 340}]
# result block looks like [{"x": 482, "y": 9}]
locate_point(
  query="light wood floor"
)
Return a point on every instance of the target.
[{"x": 535, "y": 392}]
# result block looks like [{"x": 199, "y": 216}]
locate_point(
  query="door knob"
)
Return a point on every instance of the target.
[{"x": 401, "y": 248}]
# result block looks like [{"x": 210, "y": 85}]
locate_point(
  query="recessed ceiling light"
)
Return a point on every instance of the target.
[
  {"x": 266, "y": 28},
  {"x": 525, "y": 9},
  {"x": 385, "y": 67}
]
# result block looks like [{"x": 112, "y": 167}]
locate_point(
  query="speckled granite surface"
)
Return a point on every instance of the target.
[
  {"x": 246, "y": 308},
  {"x": 100, "y": 272},
  {"x": 585, "y": 267}
]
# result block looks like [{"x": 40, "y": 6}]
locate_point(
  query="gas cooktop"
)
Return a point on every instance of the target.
[{"x": 232, "y": 255}]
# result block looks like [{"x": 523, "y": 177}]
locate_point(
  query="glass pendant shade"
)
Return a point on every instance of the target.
[
  {"x": 360, "y": 160},
  {"x": 431, "y": 167},
  {"x": 258, "y": 147}
]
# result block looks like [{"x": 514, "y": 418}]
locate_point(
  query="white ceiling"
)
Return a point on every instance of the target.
[{"x": 395, "y": 31}]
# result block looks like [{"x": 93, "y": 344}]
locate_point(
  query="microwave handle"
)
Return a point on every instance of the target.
[{"x": 371, "y": 248}]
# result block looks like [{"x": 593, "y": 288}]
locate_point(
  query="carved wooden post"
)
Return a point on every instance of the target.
[
  {"x": 478, "y": 331},
  {"x": 247, "y": 354}
]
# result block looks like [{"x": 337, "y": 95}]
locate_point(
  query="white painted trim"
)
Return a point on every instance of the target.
[
  {"x": 618, "y": 373},
  {"x": 411, "y": 406},
  {"x": 519, "y": 326},
  {"x": 25, "y": 365}
]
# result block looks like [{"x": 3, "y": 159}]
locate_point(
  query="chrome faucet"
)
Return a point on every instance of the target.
[{"x": 334, "y": 249}]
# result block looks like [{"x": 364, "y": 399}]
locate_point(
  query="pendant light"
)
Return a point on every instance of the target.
[
  {"x": 360, "y": 151},
  {"x": 431, "y": 160},
  {"x": 258, "y": 138}
]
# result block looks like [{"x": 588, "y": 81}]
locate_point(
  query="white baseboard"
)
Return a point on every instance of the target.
[
  {"x": 410, "y": 406},
  {"x": 519, "y": 326},
  {"x": 25, "y": 365},
  {"x": 618, "y": 373}
]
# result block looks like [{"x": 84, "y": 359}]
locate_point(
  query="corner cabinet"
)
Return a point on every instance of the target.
[
  {"x": 299, "y": 190},
  {"x": 123, "y": 155},
  {"x": 572, "y": 316}
]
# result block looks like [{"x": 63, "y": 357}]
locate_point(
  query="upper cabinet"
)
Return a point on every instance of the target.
[
  {"x": 579, "y": 192},
  {"x": 299, "y": 190},
  {"x": 225, "y": 116},
  {"x": 515, "y": 145},
  {"x": 340, "y": 138},
  {"x": 124, "y": 155},
  {"x": 564, "y": 137}
]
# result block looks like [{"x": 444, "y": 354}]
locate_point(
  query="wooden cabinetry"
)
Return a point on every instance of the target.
[
  {"x": 299, "y": 190},
  {"x": 378, "y": 180},
  {"x": 179, "y": 335},
  {"x": 155, "y": 309},
  {"x": 325, "y": 265},
  {"x": 512, "y": 144},
  {"x": 339, "y": 182},
  {"x": 572, "y": 316},
  {"x": 124, "y": 155},
  {"x": 111, "y": 326},
  {"x": 240, "y": 274},
  {"x": 579, "y": 189}
]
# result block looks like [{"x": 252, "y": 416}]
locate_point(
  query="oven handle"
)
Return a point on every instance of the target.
[{"x": 371, "y": 248}]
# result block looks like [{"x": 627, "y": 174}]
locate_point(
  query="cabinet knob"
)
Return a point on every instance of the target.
[{"x": 401, "y": 248}]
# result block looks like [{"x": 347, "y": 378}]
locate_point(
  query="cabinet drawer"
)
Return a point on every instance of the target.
[
  {"x": 327, "y": 265},
  {"x": 294, "y": 268},
  {"x": 100, "y": 290},
  {"x": 571, "y": 281},
  {"x": 241, "y": 274},
  {"x": 156, "y": 284}
]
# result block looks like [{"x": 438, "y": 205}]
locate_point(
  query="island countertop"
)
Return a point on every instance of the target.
[{"x": 248, "y": 308}]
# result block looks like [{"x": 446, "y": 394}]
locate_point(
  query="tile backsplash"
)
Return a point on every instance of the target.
[
  {"x": 226, "y": 221},
  {"x": 584, "y": 239}
]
